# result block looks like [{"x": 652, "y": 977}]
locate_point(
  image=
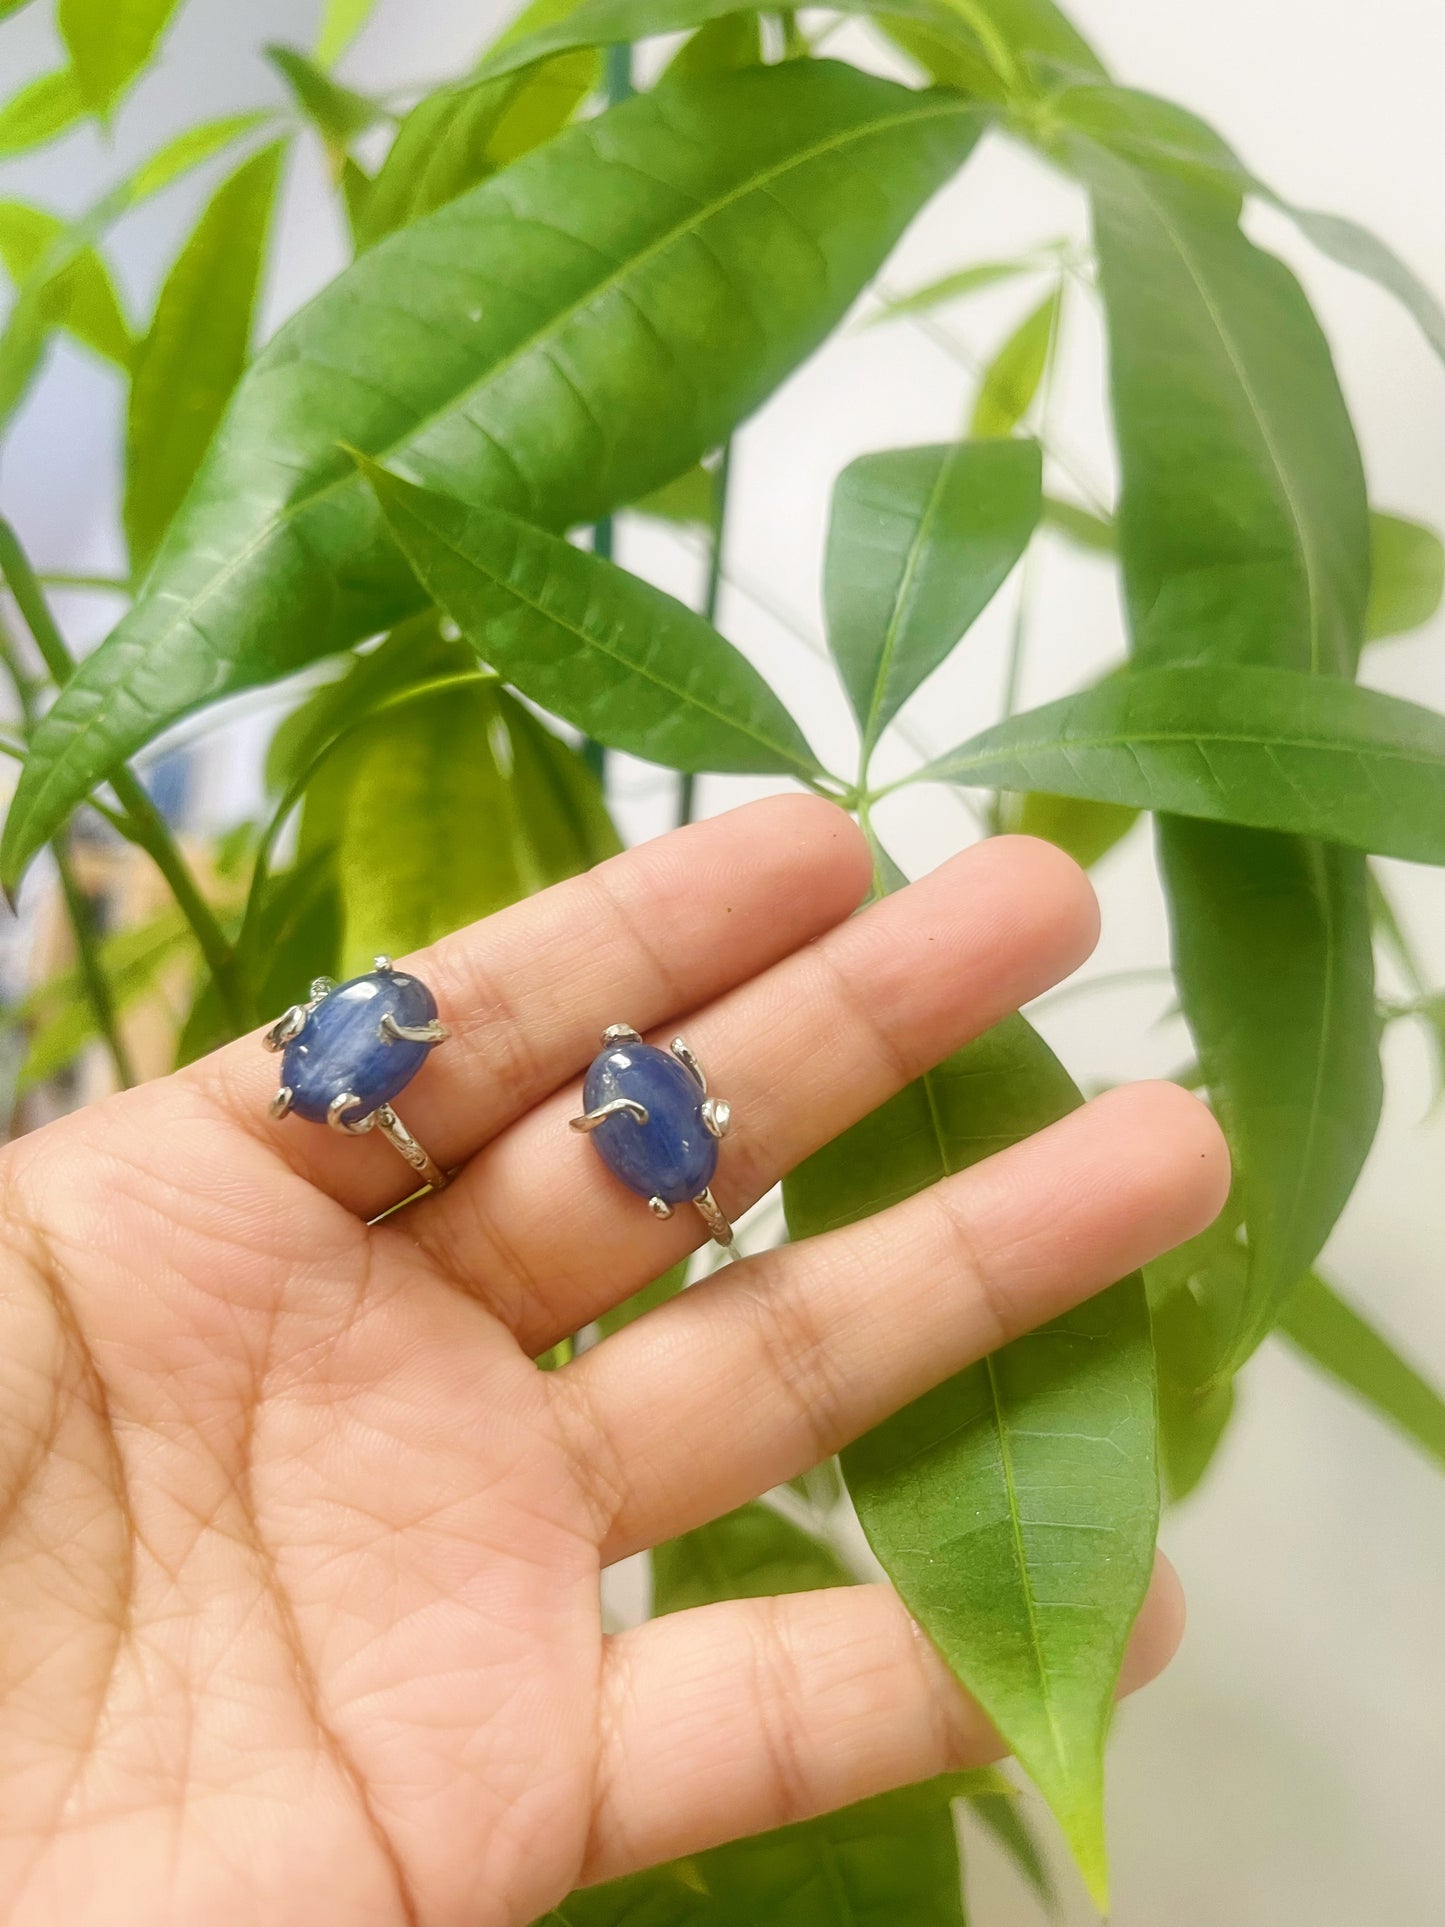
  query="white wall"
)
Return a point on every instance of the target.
[{"x": 1290, "y": 1771}]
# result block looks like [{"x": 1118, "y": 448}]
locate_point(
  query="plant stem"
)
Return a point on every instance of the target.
[
  {"x": 93, "y": 584},
  {"x": 92, "y": 970},
  {"x": 77, "y": 906},
  {"x": 687, "y": 786},
  {"x": 147, "y": 826}
]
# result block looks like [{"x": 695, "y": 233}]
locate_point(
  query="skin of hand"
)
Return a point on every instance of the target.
[{"x": 300, "y": 1553}]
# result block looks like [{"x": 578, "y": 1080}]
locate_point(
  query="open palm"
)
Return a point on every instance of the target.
[{"x": 299, "y": 1553}]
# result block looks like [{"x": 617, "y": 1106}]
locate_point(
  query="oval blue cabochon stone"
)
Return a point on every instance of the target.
[
  {"x": 673, "y": 1155},
  {"x": 341, "y": 1046}
]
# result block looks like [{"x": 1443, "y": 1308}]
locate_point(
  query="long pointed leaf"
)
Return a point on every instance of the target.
[
  {"x": 888, "y": 1862},
  {"x": 461, "y": 135},
  {"x": 1014, "y": 1506},
  {"x": 1012, "y": 378},
  {"x": 1244, "y": 537},
  {"x": 41, "y": 111},
  {"x": 752, "y": 1553},
  {"x": 1338, "y": 1338},
  {"x": 623, "y": 661},
  {"x": 82, "y": 299},
  {"x": 919, "y": 541},
  {"x": 454, "y": 806},
  {"x": 559, "y": 341},
  {"x": 111, "y": 43},
  {"x": 1269, "y": 748},
  {"x": 193, "y": 354}
]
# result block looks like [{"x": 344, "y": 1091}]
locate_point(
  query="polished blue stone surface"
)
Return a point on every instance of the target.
[
  {"x": 341, "y": 1048},
  {"x": 673, "y": 1155}
]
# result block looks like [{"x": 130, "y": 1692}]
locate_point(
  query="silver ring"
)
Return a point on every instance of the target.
[
  {"x": 353, "y": 1047},
  {"x": 655, "y": 1126}
]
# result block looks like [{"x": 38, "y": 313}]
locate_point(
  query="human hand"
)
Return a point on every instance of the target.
[{"x": 299, "y": 1553}]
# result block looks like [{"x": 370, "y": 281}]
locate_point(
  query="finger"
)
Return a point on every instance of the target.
[
  {"x": 732, "y": 1719},
  {"x": 789, "y": 1355},
  {"x": 800, "y": 1053},
  {"x": 652, "y": 932}
]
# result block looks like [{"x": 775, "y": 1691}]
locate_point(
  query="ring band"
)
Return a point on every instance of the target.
[{"x": 350, "y": 1049}]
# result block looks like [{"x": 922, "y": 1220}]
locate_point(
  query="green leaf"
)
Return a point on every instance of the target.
[
  {"x": 618, "y": 658},
  {"x": 721, "y": 46},
  {"x": 1407, "y": 576},
  {"x": 1242, "y": 521},
  {"x": 1012, "y": 378},
  {"x": 976, "y": 41},
  {"x": 7, "y": 7},
  {"x": 1198, "y": 1299},
  {"x": 1353, "y": 246},
  {"x": 1163, "y": 136},
  {"x": 179, "y": 155},
  {"x": 337, "y": 113},
  {"x": 82, "y": 299},
  {"x": 41, "y": 111},
  {"x": 1244, "y": 537},
  {"x": 299, "y": 938},
  {"x": 111, "y": 43},
  {"x": 1407, "y": 563},
  {"x": 33, "y": 316},
  {"x": 1088, "y": 830},
  {"x": 689, "y": 498},
  {"x": 1292, "y": 1059},
  {"x": 1001, "y": 1811},
  {"x": 602, "y": 360},
  {"x": 192, "y": 357},
  {"x": 954, "y": 287},
  {"x": 61, "y": 1017},
  {"x": 888, "y": 1862},
  {"x": 648, "y": 1299},
  {"x": 1269, "y": 748},
  {"x": 1337, "y": 1337},
  {"x": 1014, "y": 1506},
  {"x": 340, "y": 24},
  {"x": 461, "y": 135},
  {"x": 919, "y": 542},
  {"x": 753, "y": 1553},
  {"x": 457, "y": 804}
]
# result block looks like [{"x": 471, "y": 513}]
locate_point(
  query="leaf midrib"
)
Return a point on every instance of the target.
[
  {"x": 871, "y": 728},
  {"x": 1058, "y": 745}
]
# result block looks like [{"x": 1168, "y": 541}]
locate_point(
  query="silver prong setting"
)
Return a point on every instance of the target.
[
  {"x": 434, "y": 1032},
  {"x": 336, "y": 1115},
  {"x": 659, "y": 1207},
  {"x": 684, "y": 1054},
  {"x": 381, "y": 963},
  {"x": 321, "y": 987},
  {"x": 281, "y": 1103},
  {"x": 620, "y": 1034},
  {"x": 717, "y": 1116},
  {"x": 619, "y": 1107},
  {"x": 285, "y": 1028}
]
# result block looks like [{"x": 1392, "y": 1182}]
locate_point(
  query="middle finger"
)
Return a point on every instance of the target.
[{"x": 539, "y": 1228}]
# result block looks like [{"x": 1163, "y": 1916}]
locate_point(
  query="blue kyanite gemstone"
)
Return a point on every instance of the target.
[
  {"x": 673, "y": 1155},
  {"x": 342, "y": 1047}
]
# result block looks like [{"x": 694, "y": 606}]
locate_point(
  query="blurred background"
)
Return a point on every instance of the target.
[{"x": 1290, "y": 1770}]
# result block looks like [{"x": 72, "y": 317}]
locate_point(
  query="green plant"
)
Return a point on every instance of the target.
[{"x": 559, "y": 311}]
